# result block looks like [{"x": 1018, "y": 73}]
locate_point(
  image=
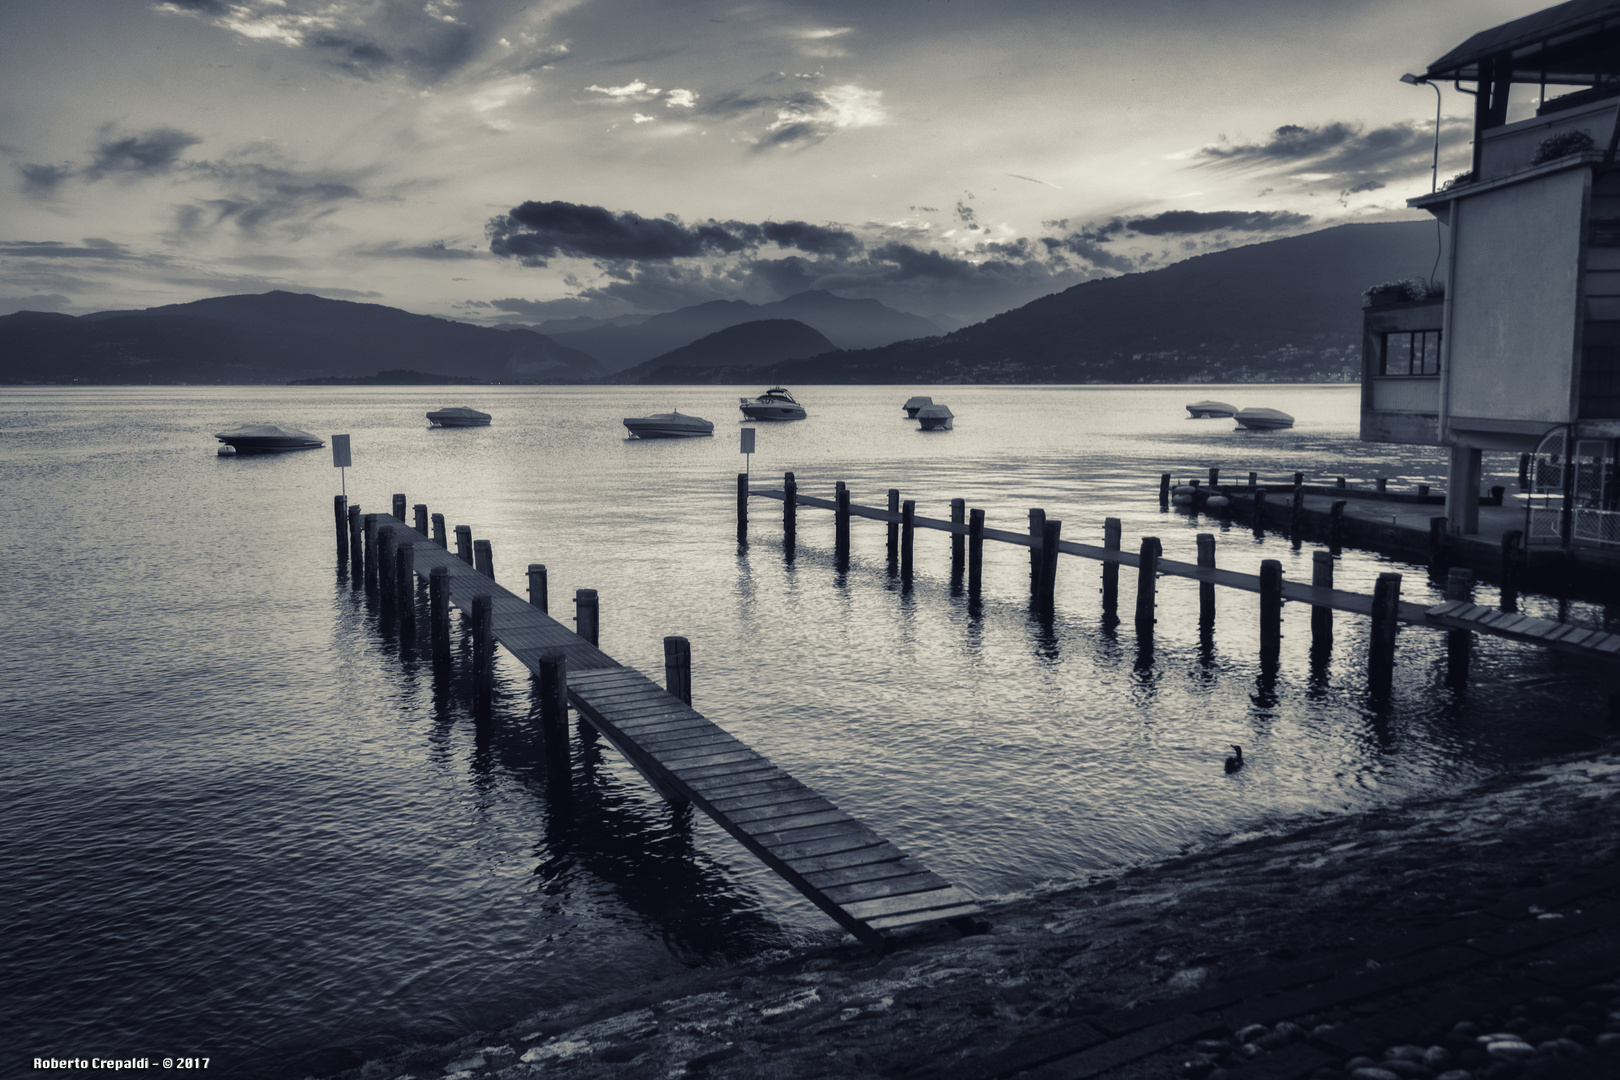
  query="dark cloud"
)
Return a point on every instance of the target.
[
  {"x": 438, "y": 250},
  {"x": 255, "y": 195},
  {"x": 150, "y": 152},
  {"x": 1089, "y": 249},
  {"x": 1347, "y": 154},
  {"x": 814, "y": 239},
  {"x": 91, "y": 248},
  {"x": 354, "y": 54},
  {"x": 43, "y": 179},
  {"x": 1184, "y": 222}
]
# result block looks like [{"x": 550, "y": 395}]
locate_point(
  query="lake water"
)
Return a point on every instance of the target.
[{"x": 240, "y": 823}]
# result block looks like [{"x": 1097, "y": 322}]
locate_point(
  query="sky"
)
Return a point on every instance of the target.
[{"x": 514, "y": 161}]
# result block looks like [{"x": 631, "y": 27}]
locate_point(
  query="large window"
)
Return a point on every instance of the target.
[{"x": 1411, "y": 352}]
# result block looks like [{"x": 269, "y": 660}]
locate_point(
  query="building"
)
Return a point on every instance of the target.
[{"x": 1523, "y": 352}]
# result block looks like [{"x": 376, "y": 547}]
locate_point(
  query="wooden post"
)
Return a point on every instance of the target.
[
  {"x": 464, "y": 544},
  {"x": 1254, "y": 480},
  {"x": 1423, "y": 491},
  {"x": 841, "y": 525},
  {"x": 1206, "y": 589},
  {"x": 1259, "y": 511},
  {"x": 1214, "y": 475},
  {"x": 1037, "y": 533},
  {"x": 1299, "y": 480},
  {"x": 537, "y": 586},
  {"x": 385, "y": 570},
  {"x": 405, "y": 589},
  {"x": 371, "y": 551},
  {"x": 484, "y": 558},
  {"x": 958, "y": 540},
  {"x": 340, "y": 512},
  {"x": 1382, "y": 484},
  {"x": 894, "y": 530},
  {"x": 1524, "y": 472},
  {"x": 790, "y": 516},
  {"x": 1510, "y": 569},
  {"x": 1046, "y": 602},
  {"x": 908, "y": 535},
  {"x": 742, "y": 508},
  {"x": 678, "y": 668},
  {"x": 439, "y": 613},
  {"x": 553, "y": 679},
  {"x": 483, "y": 619},
  {"x": 1271, "y": 577},
  {"x": 399, "y": 507},
  {"x": 1296, "y": 512},
  {"x": 420, "y": 514},
  {"x": 1437, "y": 545},
  {"x": 1164, "y": 489},
  {"x": 586, "y": 615},
  {"x": 1381, "y": 643},
  {"x": 1339, "y": 483},
  {"x": 1459, "y": 643},
  {"x": 1321, "y": 614},
  {"x": 438, "y": 532},
  {"x": 1110, "y": 573},
  {"x": 357, "y": 551},
  {"x": 1147, "y": 582},
  {"x": 975, "y": 552},
  {"x": 1336, "y": 526}
]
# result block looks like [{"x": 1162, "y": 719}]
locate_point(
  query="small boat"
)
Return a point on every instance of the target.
[
  {"x": 935, "y": 417},
  {"x": 914, "y": 403},
  {"x": 668, "y": 425},
  {"x": 1203, "y": 410},
  {"x": 267, "y": 439},
  {"x": 1263, "y": 419},
  {"x": 460, "y": 416},
  {"x": 774, "y": 404}
]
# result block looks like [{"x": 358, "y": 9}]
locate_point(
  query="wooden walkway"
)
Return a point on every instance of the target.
[
  {"x": 1455, "y": 615},
  {"x": 866, "y": 884}
]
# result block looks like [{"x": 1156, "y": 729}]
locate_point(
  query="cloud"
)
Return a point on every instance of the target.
[
  {"x": 681, "y": 99},
  {"x": 1344, "y": 154},
  {"x": 805, "y": 119},
  {"x": 43, "y": 179},
  {"x": 437, "y": 251},
  {"x": 635, "y": 90},
  {"x": 91, "y": 248},
  {"x": 146, "y": 154},
  {"x": 1190, "y": 222}
]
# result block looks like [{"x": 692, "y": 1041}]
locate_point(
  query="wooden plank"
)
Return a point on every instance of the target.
[
  {"x": 759, "y": 765},
  {"x": 653, "y": 722},
  {"x": 1563, "y": 631},
  {"x": 1538, "y": 628},
  {"x": 808, "y": 802},
  {"x": 922, "y": 881},
  {"x": 1578, "y": 636},
  {"x": 712, "y": 787},
  {"x": 735, "y": 803},
  {"x": 1514, "y": 626},
  {"x": 1447, "y": 608},
  {"x": 791, "y": 853},
  {"x": 818, "y": 862},
  {"x": 919, "y": 918},
  {"x": 686, "y": 740},
  {"x": 865, "y": 872},
  {"x": 840, "y": 827},
  {"x": 724, "y": 757},
  {"x": 1609, "y": 644},
  {"x": 781, "y": 826},
  {"x": 865, "y": 910}
]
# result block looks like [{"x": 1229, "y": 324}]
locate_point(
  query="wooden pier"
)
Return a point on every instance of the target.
[{"x": 865, "y": 883}]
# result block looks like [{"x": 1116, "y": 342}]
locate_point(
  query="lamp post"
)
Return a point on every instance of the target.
[{"x": 1434, "y": 170}]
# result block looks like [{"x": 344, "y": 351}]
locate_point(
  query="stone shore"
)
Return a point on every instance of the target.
[{"x": 1475, "y": 937}]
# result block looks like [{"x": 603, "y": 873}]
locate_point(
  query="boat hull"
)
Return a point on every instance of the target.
[
  {"x": 270, "y": 446},
  {"x": 772, "y": 412},
  {"x": 643, "y": 429},
  {"x": 461, "y": 423},
  {"x": 1264, "y": 419}
]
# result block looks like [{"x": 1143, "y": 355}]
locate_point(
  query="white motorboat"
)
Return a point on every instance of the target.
[
  {"x": 1263, "y": 419},
  {"x": 774, "y": 404},
  {"x": 267, "y": 439},
  {"x": 914, "y": 403},
  {"x": 935, "y": 417},
  {"x": 460, "y": 416},
  {"x": 668, "y": 425},
  {"x": 1203, "y": 410}
]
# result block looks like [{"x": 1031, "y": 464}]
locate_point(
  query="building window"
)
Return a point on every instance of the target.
[{"x": 1411, "y": 352}]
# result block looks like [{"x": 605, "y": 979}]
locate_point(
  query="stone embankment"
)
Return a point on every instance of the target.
[{"x": 1475, "y": 937}]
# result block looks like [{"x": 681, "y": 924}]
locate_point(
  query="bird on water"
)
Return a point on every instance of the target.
[{"x": 1235, "y": 762}]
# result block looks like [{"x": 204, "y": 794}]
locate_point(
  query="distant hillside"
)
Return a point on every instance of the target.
[
  {"x": 1284, "y": 310},
  {"x": 273, "y": 337},
  {"x": 846, "y": 323},
  {"x": 717, "y": 356}
]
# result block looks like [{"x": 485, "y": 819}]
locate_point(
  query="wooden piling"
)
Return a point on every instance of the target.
[
  {"x": 385, "y": 569},
  {"x": 1299, "y": 479},
  {"x": 1438, "y": 555},
  {"x": 1271, "y": 601},
  {"x": 464, "y": 548},
  {"x": 340, "y": 512},
  {"x": 419, "y": 514},
  {"x": 586, "y": 615},
  {"x": 1259, "y": 511},
  {"x": 399, "y": 507},
  {"x": 1509, "y": 570},
  {"x": 484, "y": 558},
  {"x": 1339, "y": 483},
  {"x": 742, "y": 508},
  {"x": 439, "y": 613},
  {"x": 841, "y": 525},
  {"x": 1423, "y": 491},
  {"x": 357, "y": 553},
  {"x": 908, "y": 537},
  {"x": 483, "y": 629},
  {"x": 405, "y": 589},
  {"x": 438, "y": 532},
  {"x": 958, "y": 540},
  {"x": 370, "y": 522},
  {"x": 1336, "y": 526},
  {"x": 1164, "y": 489},
  {"x": 1037, "y": 533},
  {"x": 1254, "y": 480},
  {"x": 1524, "y": 472},
  {"x": 1046, "y": 602},
  {"x": 1296, "y": 512},
  {"x": 1382, "y": 484},
  {"x": 1459, "y": 643},
  {"x": 1381, "y": 641},
  {"x": 553, "y": 692},
  {"x": 678, "y": 668},
  {"x": 1321, "y": 614},
  {"x": 1206, "y": 589},
  {"x": 1110, "y": 573},
  {"x": 975, "y": 552},
  {"x": 1214, "y": 475},
  {"x": 893, "y": 532},
  {"x": 537, "y": 586},
  {"x": 790, "y": 515},
  {"x": 1147, "y": 583}
]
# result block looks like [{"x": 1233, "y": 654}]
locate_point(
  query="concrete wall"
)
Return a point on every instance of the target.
[
  {"x": 1398, "y": 408},
  {"x": 1516, "y": 301},
  {"x": 1511, "y": 148}
]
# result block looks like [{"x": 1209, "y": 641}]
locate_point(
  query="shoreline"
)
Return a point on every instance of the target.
[{"x": 1183, "y": 928}]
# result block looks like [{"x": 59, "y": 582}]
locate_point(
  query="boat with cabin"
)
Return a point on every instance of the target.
[
  {"x": 669, "y": 425},
  {"x": 1204, "y": 410},
  {"x": 1263, "y": 419},
  {"x": 267, "y": 439},
  {"x": 460, "y": 416},
  {"x": 774, "y": 404},
  {"x": 914, "y": 403},
  {"x": 935, "y": 417}
]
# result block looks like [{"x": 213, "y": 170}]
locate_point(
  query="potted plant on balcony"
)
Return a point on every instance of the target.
[
  {"x": 1399, "y": 292},
  {"x": 1562, "y": 145}
]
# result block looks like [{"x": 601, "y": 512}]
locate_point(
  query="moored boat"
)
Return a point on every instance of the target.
[
  {"x": 668, "y": 425},
  {"x": 774, "y": 404},
  {"x": 267, "y": 439},
  {"x": 1203, "y": 410},
  {"x": 1263, "y": 419},
  {"x": 460, "y": 416},
  {"x": 935, "y": 417},
  {"x": 914, "y": 403}
]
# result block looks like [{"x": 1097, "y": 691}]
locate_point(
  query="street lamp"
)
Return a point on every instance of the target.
[{"x": 1434, "y": 170}]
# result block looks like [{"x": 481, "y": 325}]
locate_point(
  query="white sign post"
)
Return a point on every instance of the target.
[
  {"x": 748, "y": 448},
  {"x": 341, "y": 460}
]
